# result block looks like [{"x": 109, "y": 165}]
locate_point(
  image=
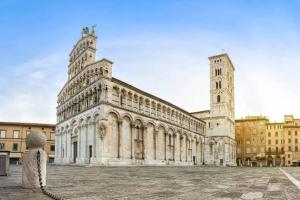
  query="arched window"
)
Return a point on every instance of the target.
[
  {"x": 217, "y": 85},
  {"x": 220, "y": 85},
  {"x": 218, "y": 98},
  {"x": 216, "y": 72},
  {"x": 220, "y": 72}
]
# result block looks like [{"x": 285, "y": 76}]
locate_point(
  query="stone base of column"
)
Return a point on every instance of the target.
[{"x": 30, "y": 178}]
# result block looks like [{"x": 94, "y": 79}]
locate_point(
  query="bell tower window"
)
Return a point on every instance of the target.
[{"x": 218, "y": 98}]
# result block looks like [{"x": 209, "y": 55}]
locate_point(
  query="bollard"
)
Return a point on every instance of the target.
[{"x": 35, "y": 142}]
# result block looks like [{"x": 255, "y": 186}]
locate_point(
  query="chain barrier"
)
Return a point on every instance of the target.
[{"x": 55, "y": 197}]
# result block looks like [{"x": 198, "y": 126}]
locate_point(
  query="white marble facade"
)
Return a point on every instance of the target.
[{"x": 104, "y": 121}]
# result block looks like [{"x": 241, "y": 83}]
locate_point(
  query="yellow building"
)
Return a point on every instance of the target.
[
  {"x": 291, "y": 129},
  {"x": 250, "y": 134},
  {"x": 260, "y": 142},
  {"x": 275, "y": 144},
  {"x": 13, "y": 134}
]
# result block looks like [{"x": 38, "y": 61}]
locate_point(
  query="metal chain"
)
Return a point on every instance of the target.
[{"x": 38, "y": 158}]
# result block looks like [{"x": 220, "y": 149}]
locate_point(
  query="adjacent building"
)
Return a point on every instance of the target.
[
  {"x": 275, "y": 140},
  {"x": 291, "y": 129},
  {"x": 13, "y": 135},
  {"x": 102, "y": 120},
  {"x": 264, "y": 143},
  {"x": 251, "y": 140}
]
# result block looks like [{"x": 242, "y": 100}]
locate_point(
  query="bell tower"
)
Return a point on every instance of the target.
[
  {"x": 220, "y": 146},
  {"x": 221, "y": 96}
]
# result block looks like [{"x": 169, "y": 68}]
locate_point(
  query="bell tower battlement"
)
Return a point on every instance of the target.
[{"x": 83, "y": 52}]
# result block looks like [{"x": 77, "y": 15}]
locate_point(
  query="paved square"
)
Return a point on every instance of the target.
[{"x": 72, "y": 182}]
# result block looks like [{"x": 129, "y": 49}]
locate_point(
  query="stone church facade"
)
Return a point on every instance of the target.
[{"x": 104, "y": 121}]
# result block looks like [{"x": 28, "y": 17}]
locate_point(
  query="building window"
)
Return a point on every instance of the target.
[
  {"x": 276, "y": 134},
  {"x": 296, "y": 148},
  {"x": 289, "y": 140},
  {"x": 218, "y": 98},
  {"x": 15, "y": 147},
  {"x": 269, "y": 141},
  {"x": 16, "y": 134},
  {"x": 289, "y": 132},
  {"x": 220, "y": 86},
  {"x": 296, "y": 140},
  {"x": 276, "y": 141},
  {"x": 276, "y": 149},
  {"x": 52, "y": 148},
  {"x": 269, "y": 134},
  {"x": 289, "y": 155},
  {"x": 248, "y": 150},
  {"x": 269, "y": 149},
  {"x": 296, "y": 133},
  {"x": 52, "y": 136},
  {"x": 290, "y": 148},
  {"x": 3, "y": 134},
  {"x": 2, "y": 145}
]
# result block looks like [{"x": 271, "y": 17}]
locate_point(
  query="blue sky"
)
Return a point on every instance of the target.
[{"x": 158, "y": 46}]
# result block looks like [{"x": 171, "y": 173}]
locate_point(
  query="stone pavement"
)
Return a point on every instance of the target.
[{"x": 207, "y": 183}]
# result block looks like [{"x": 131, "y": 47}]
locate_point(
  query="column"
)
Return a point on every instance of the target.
[
  {"x": 79, "y": 144},
  {"x": 132, "y": 140},
  {"x": 86, "y": 144},
  {"x": 101, "y": 149},
  {"x": 174, "y": 145},
  {"x": 155, "y": 132},
  {"x": 66, "y": 148},
  {"x": 197, "y": 153},
  {"x": 165, "y": 153},
  {"x": 119, "y": 137},
  {"x": 143, "y": 142},
  {"x": 94, "y": 140},
  {"x": 180, "y": 148},
  {"x": 186, "y": 149}
]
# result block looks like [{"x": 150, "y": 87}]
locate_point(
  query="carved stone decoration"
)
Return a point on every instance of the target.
[{"x": 101, "y": 130}]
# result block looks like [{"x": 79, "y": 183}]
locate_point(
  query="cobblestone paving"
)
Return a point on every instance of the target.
[{"x": 172, "y": 183}]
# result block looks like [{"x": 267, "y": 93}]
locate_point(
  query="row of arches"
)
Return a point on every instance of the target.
[
  {"x": 80, "y": 47},
  {"x": 129, "y": 99},
  {"x": 86, "y": 77},
  {"x": 79, "y": 64},
  {"x": 122, "y": 137},
  {"x": 83, "y": 101}
]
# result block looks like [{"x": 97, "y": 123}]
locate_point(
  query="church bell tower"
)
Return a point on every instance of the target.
[{"x": 221, "y": 125}]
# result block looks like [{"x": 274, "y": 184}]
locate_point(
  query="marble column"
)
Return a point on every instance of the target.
[
  {"x": 94, "y": 140},
  {"x": 155, "y": 133},
  {"x": 119, "y": 137},
  {"x": 132, "y": 140}
]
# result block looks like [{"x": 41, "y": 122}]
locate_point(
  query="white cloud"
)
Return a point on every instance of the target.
[{"x": 31, "y": 93}]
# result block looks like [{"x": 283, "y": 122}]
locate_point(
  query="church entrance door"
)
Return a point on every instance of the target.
[{"x": 74, "y": 151}]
